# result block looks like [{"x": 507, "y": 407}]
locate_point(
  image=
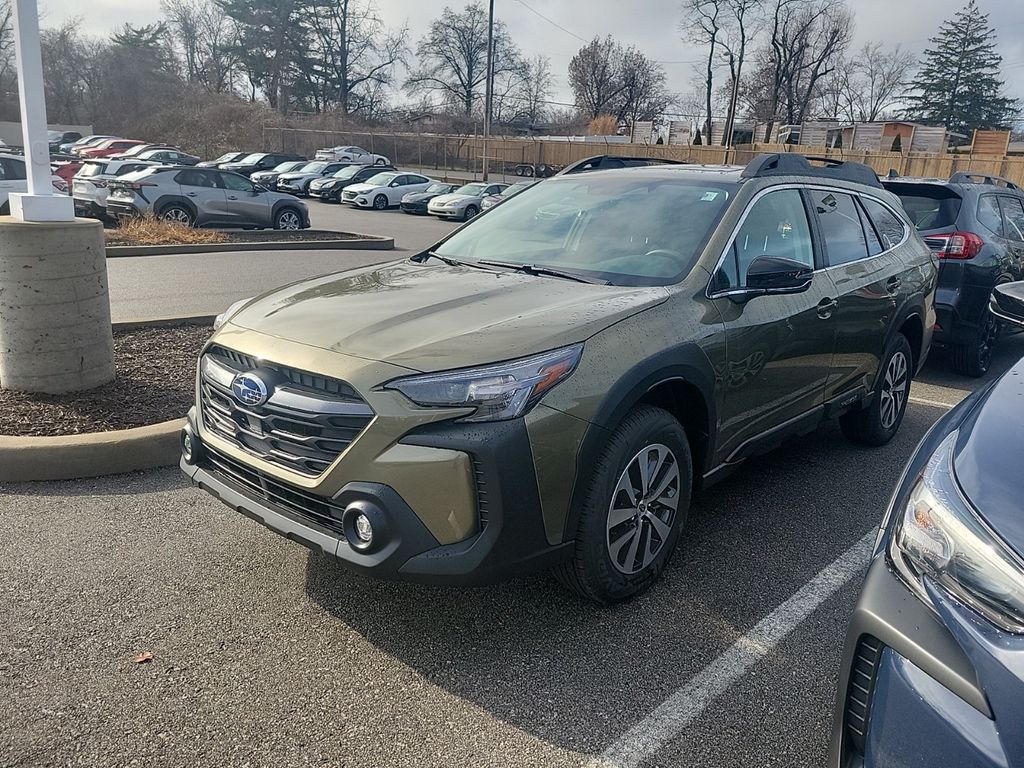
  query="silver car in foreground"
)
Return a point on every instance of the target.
[
  {"x": 204, "y": 197},
  {"x": 465, "y": 202}
]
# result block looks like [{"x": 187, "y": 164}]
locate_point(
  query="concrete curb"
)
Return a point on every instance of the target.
[
  {"x": 29, "y": 459},
  {"x": 363, "y": 243},
  {"x": 93, "y": 454}
]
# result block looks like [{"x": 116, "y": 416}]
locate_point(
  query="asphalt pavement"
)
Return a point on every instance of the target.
[
  {"x": 147, "y": 287},
  {"x": 264, "y": 654}
]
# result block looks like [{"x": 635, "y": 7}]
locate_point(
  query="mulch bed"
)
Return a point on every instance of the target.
[
  {"x": 257, "y": 236},
  {"x": 156, "y": 374}
]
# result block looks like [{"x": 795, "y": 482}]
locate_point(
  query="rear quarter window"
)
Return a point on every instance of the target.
[{"x": 891, "y": 230}]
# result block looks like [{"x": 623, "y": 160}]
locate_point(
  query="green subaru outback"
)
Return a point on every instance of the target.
[{"x": 548, "y": 386}]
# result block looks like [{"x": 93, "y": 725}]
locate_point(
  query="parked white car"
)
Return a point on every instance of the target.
[
  {"x": 14, "y": 179},
  {"x": 90, "y": 185},
  {"x": 356, "y": 155},
  {"x": 385, "y": 189}
]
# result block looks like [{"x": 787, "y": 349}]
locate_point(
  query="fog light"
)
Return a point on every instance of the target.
[
  {"x": 364, "y": 529},
  {"x": 188, "y": 446}
]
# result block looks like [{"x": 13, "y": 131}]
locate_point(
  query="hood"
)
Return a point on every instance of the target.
[
  {"x": 325, "y": 181},
  {"x": 361, "y": 187},
  {"x": 297, "y": 176},
  {"x": 451, "y": 197},
  {"x": 430, "y": 317},
  {"x": 419, "y": 197},
  {"x": 238, "y": 166},
  {"x": 987, "y": 459}
]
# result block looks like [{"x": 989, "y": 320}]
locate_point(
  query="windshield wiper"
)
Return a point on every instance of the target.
[
  {"x": 538, "y": 271},
  {"x": 419, "y": 258}
]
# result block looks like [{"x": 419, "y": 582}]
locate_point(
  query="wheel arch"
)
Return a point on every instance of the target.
[
  {"x": 909, "y": 321},
  {"x": 682, "y": 382},
  {"x": 162, "y": 202}
]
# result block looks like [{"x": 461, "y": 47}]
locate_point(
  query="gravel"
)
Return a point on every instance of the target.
[{"x": 155, "y": 382}]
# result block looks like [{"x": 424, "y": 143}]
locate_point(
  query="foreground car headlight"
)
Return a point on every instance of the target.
[
  {"x": 939, "y": 537},
  {"x": 228, "y": 313},
  {"x": 498, "y": 392}
]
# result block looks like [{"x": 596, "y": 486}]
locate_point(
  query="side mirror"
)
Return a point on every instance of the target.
[
  {"x": 1007, "y": 303},
  {"x": 774, "y": 274},
  {"x": 258, "y": 190}
]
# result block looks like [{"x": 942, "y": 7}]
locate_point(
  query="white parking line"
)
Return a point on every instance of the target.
[
  {"x": 931, "y": 403},
  {"x": 672, "y": 716}
]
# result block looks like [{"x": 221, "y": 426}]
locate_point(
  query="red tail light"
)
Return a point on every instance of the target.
[{"x": 958, "y": 245}]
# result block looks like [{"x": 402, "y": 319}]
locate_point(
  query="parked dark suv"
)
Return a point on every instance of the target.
[
  {"x": 975, "y": 224},
  {"x": 550, "y": 384}
]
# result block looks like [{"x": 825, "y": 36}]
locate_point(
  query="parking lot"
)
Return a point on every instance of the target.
[{"x": 265, "y": 654}]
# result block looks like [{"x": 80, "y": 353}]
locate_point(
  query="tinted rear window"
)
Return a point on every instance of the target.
[
  {"x": 91, "y": 169},
  {"x": 929, "y": 206}
]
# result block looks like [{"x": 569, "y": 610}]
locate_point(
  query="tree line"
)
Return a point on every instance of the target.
[{"x": 792, "y": 59}]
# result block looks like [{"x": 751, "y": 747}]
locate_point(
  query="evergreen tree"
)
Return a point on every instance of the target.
[{"x": 958, "y": 85}]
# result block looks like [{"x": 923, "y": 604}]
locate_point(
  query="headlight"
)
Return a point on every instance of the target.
[
  {"x": 228, "y": 313},
  {"x": 498, "y": 392},
  {"x": 938, "y": 536}
]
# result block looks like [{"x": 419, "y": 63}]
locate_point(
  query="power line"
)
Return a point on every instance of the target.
[{"x": 552, "y": 22}]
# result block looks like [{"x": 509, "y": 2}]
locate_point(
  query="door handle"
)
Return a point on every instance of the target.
[
  {"x": 232, "y": 197},
  {"x": 192, "y": 194},
  {"x": 826, "y": 307},
  {"x": 892, "y": 285}
]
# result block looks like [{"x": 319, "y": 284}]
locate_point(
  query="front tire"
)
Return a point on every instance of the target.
[
  {"x": 975, "y": 358},
  {"x": 878, "y": 423},
  {"x": 288, "y": 219},
  {"x": 380, "y": 161},
  {"x": 380, "y": 202},
  {"x": 634, "y": 509},
  {"x": 470, "y": 212}
]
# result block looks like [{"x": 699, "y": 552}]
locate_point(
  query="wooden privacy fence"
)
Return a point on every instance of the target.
[{"x": 465, "y": 153}]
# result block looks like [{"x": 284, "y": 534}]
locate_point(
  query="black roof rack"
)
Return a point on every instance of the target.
[
  {"x": 792, "y": 164},
  {"x": 604, "y": 162},
  {"x": 966, "y": 177}
]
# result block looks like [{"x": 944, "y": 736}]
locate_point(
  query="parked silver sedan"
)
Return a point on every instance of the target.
[
  {"x": 465, "y": 202},
  {"x": 492, "y": 200}
]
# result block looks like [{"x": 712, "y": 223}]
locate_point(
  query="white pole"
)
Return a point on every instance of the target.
[{"x": 41, "y": 203}]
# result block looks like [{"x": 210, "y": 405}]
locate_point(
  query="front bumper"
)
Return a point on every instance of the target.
[
  {"x": 510, "y": 539},
  {"x": 324, "y": 193},
  {"x": 447, "y": 213},
  {"x": 417, "y": 208}
]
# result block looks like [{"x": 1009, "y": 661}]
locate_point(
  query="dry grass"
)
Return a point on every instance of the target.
[{"x": 149, "y": 230}]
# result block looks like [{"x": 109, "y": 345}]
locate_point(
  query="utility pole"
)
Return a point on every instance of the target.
[{"x": 489, "y": 86}]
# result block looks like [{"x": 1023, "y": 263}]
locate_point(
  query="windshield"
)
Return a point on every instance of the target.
[
  {"x": 381, "y": 179},
  {"x": 253, "y": 158},
  {"x": 929, "y": 206},
  {"x": 625, "y": 230},
  {"x": 314, "y": 167},
  {"x": 226, "y": 158},
  {"x": 348, "y": 172},
  {"x": 439, "y": 188},
  {"x": 291, "y": 166},
  {"x": 474, "y": 190}
]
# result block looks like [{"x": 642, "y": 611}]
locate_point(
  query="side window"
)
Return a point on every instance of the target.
[
  {"x": 401, "y": 181},
  {"x": 237, "y": 183},
  {"x": 193, "y": 178},
  {"x": 874, "y": 244},
  {"x": 776, "y": 225},
  {"x": 4, "y": 175},
  {"x": 415, "y": 180},
  {"x": 890, "y": 228},
  {"x": 841, "y": 229},
  {"x": 988, "y": 214},
  {"x": 14, "y": 170},
  {"x": 1013, "y": 218}
]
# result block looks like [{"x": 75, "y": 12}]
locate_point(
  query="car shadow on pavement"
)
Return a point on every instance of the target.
[{"x": 578, "y": 675}]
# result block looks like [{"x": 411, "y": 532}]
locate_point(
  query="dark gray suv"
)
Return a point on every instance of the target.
[
  {"x": 202, "y": 197},
  {"x": 975, "y": 224}
]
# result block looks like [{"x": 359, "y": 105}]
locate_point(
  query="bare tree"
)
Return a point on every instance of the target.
[
  {"x": 703, "y": 23},
  {"x": 453, "y": 58},
  {"x": 872, "y": 82},
  {"x": 8, "y": 75},
  {"x": 205, "y": 38},
  {"x": 536, "y": 90},
  {"x": 353, "y": 57},
  {"x": 746, "y": 18},
  {"x": 644, "y": 95},
  {"x": 594, "y": 76}
]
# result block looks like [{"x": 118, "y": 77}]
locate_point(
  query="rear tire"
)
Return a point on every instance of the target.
[
  {"x": 178, "y": 214},
  {"x": 380, "y": 161},
  {"x": 380, "y": 202},
  {"x": 877, "y": 424},
  {"x": 975, "y": 358},
  {"x": 630, "y": 525}
]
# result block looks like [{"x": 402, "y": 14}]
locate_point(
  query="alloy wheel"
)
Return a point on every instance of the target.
[
  {"x": 894, "y": 390},
  {"x": 178, "y": 216},
  {"x": 288, "y": 220},
  {"x": 987, "y": 342},
  {"x": 643, "y": 508}
]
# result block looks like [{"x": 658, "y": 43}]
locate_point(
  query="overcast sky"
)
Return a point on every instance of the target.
[{"x": 651, "y": 25}]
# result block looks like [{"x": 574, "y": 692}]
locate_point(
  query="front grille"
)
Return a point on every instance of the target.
[
  {"x": 305, "y": 423},
  {"x": 860, "y": 690},
  {"x": 322, "y": 511}
]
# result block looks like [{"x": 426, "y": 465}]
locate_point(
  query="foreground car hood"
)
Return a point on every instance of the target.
[
  {"x": 987, "y": 460},
  {"x": 431, "y": 317}
]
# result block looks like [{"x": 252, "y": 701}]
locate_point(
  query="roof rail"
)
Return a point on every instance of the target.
[
  {"x": 966, "y": 177},
  {"x": 792, "y": 164},
  {"x": 605, "y": 162}
]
